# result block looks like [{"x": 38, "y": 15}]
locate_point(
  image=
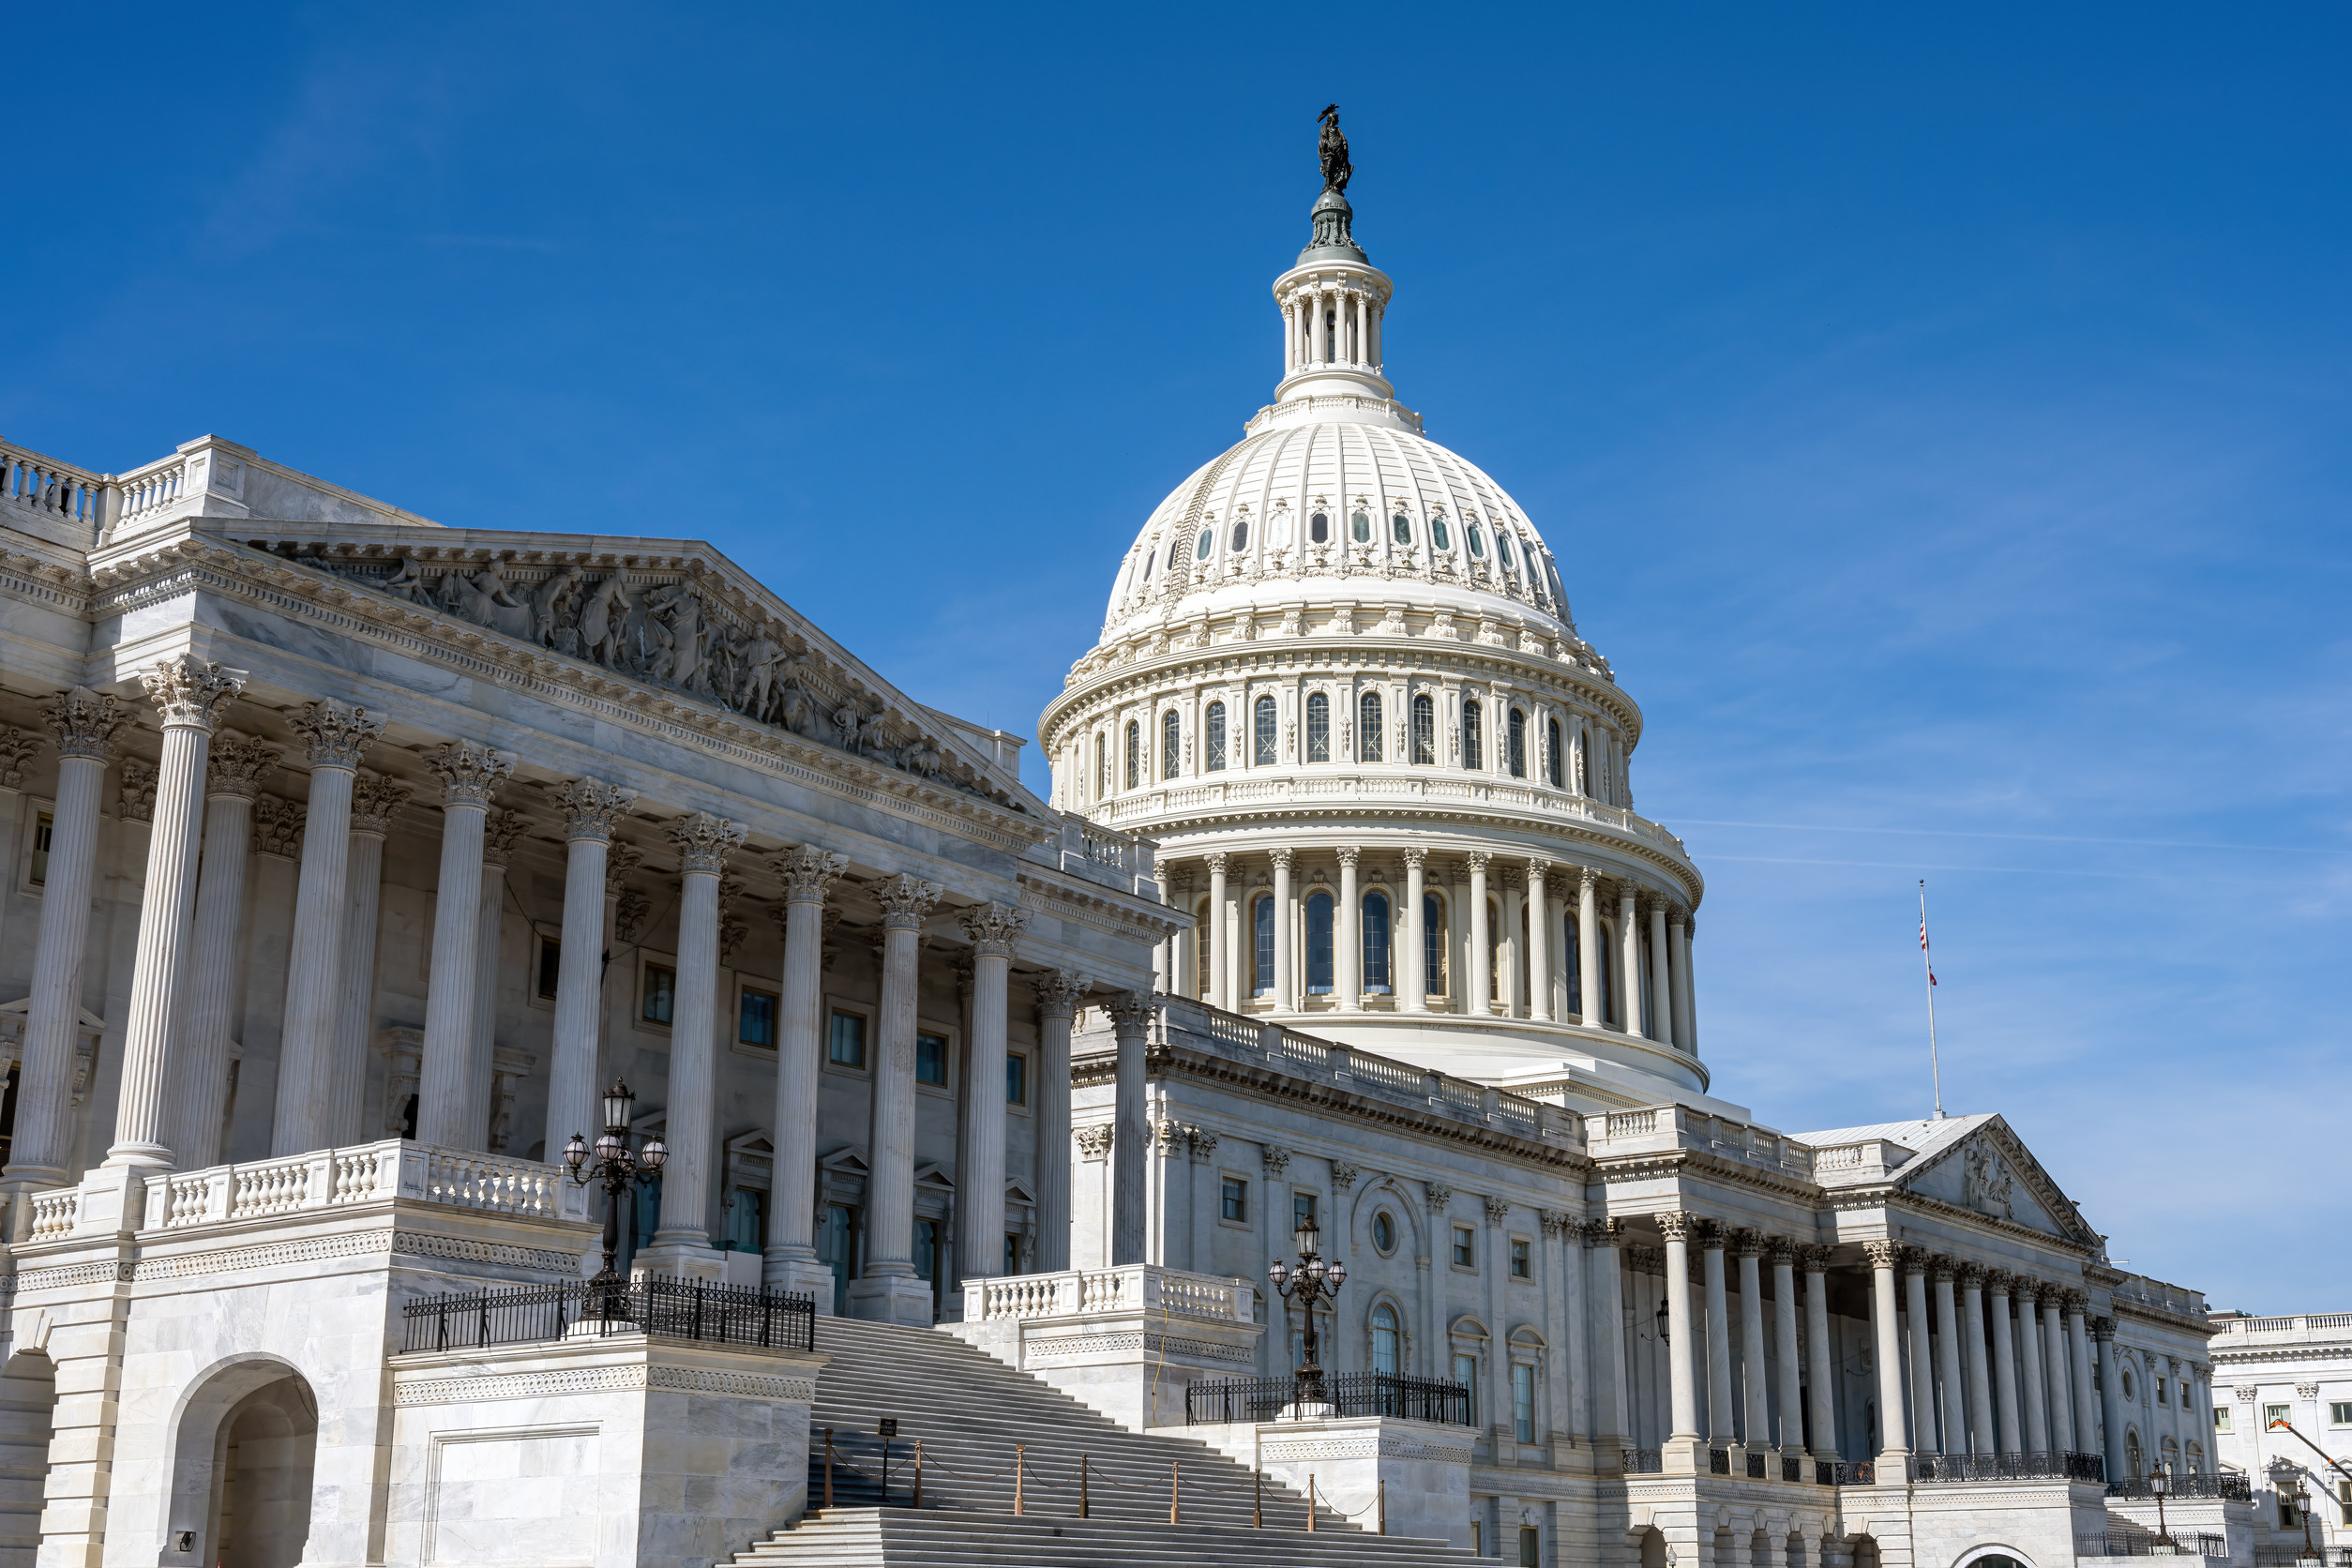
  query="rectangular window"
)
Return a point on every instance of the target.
[
  {"x": 44, "y": 826},
  {"x": 1236, "y": 1200},
  {"x": 930, "y": 1059},
  {"x": 1530, "y": 1544},
  {"x": 550, "y": 967},
  {"x": 2164, "y": 1395},
  {"x": 1215, "y": 749},
  {"x": 661, "y": 994},
  {"x": 1302, "y": 1209},
  {"x": 1466, "y": 1374},
  {"x": 1521, "y": 1266},
  {"x": 1465, "y": 1247},
  {"x": 2272, "y": 1414},
  {"x": 845, "y": 1040},
  {"x": 746, "y": 1221},
  {"x": 1318, "y": 727},
  {"x": 1012, "y": 1253},
  {"x": 2340, "y": 1413},
  {"x": 755, "y": 1018},
  {"x": 1016, "y": 1080},
  {"x": 2344, "y": 1502},
  {"x": 2220, "y": 1418},
  {"x": 1478, "y": 1540},
  {"x": 1522, "y": 1401}
]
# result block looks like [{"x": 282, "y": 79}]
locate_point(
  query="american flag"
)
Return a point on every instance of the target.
[{"x": 1923, "y": 953}]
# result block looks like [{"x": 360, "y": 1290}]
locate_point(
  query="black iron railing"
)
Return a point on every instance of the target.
[
  {"x": 1755, "y": 1466},
  {"x": 1352, "y": 1394},
  {"x": 2294, "y": 1557},
  {"x": 668, "y": 1308},
  {"x": 1792, "y": 1467},
  {"x": 1719, "y": 1461},
  {"x": 2229, "y": 1486},
  {"x": 2134, "y": 1544},
  {"x": 1644, "y": 1461},
  {"x": 1844, "y": 1473},
  {"x": 2005, "y": 1466}
]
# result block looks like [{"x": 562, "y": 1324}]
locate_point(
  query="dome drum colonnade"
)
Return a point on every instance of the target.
[{"x": 1339, "y": 619}]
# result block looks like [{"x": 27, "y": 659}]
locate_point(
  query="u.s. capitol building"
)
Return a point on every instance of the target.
[{"x": 404, "y": 921}]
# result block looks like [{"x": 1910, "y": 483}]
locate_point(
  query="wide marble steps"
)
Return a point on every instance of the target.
[{"x": 944, "y": 1538}]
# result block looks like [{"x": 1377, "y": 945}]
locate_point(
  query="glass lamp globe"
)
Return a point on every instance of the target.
[
  {"x": 576, "y": 1153},
  {"x": 654, "y": 1154}
]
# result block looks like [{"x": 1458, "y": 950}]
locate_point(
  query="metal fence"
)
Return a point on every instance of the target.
[
  {"x": 667, "y": 1308},
  {"x": 2006, "y": 1467},
  {"x": 2119, "y": 1544},
  {"x": 2229, "y": 1486},
  {"x": 1352, "y": 1394},
  {"x": 1844, "y": 1473}
]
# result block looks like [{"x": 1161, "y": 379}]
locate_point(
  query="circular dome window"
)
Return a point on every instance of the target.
[
  {"x": 1439, "y": 532},
  {"x": 1319, "y": 528},
  {"x": 1384, "y": 1232},
  {"x": 1477, "y": 541}
]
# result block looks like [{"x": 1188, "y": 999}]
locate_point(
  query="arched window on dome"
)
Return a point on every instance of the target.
[
  {"x": 1318, "y": 929},
  {"x": 1477, "y": 537},
  {"x": 1240, "y": 534},
  {"x": 1101, "y": 765},
  {"x": 1134, "y": 752},
  {"x": 1360, "y": 523},
  {"x": 1403, "y": 528},
  {"x": 1424, "y": 729},
  {"x": 1200, "y": 951},
  {"x": 1318, "y": 727},
  {"x": 1151, "y": 558},
  {"x": 1262, "y": 946},
  {"x": 1318, "y": 529},
  {"x": 1474, "y": 733},
  {"x": 1551, "y": 753},
  {"x": 1216, "y": 745},
  {"x": 1278, "y": 529},
  {"x": 1433, "y": 944},
  {"x": 1376, "y": 934},
  {"x": 1368, "y": 726},
  {"x": 1517, "y": 744},
  {"x": 1172, "y": 748},
  {"x": 1439, "y": 535},
  {"x": 1208, "y": 542},
  {"x": 1572, "y": 967},
  {"x": 1261, "y": 738},
  {"x": 1503, "y": 548}
]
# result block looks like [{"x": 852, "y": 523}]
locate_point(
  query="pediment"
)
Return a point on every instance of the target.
[{"x": 1989, "y": 1171}]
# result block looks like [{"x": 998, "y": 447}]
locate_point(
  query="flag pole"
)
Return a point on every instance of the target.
[{"x": 1935, "y": 1064}]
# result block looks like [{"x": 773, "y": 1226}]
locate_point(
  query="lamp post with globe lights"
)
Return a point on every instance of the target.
[
  {"x": 618, "y": 1170},
  {"x": 2302, "y": 1507},
  {"x": 1311, "y": 1283},
  {"x": 2159, "y": 1483}
]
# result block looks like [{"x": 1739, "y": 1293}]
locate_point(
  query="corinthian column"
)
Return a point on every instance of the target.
[
  {"x": 1677, "y": 949},
  {"x": 1629, "y": 940},
  {"x": 1539, "y": 945},
  {"x": 1923, "y": 1439},
  {"x": 1956, "y": 1428},
  {"x": 1821, "y": 1392},
  {"x": 468, "y": 775},
  {"x": 200, "y": 1060},
  {"x": 1130, "y": 1021},
  {"x": 706, "y": 843},
  {"x": 1784, "y": 1332},
  {"x": 1887, "y": 1342},
  {"x": 1413, "y": 965},
  {"x": 791, "y": 1262},
  {"x": 888, "y": 1288},
  {"x": 1220, "y": 964},
  {"x": 589, "y": 806},
  {"x": 338, "y": 734},
  {"x": 502, "y": 829},
  {"x": 1286, "y": 997},
  {"x": 85, "y": 725},
  {"x": 1589, "y": 946},
  {"x": 2057, "y": 1384},
  {"x": 1481, "y": 958},
  {"x": 1684, "y": 1400},
  {"x": 1661, "y": 976},
  {"x": 2004, "y": 1361},
  {"x": 374, "y": 802},
  {"x": 1058, "y": 996},
  {"x": 1348, "y": 977},
  {"x": 1756, "y": 1420},
  {"x": 1719, "y": 1424},
  {"x": 992, "y": 929},
  {"x": 2086, "y": 1402},
  {"x": 189, "y": 694},
  {"x": 2030, "y": 1369}
]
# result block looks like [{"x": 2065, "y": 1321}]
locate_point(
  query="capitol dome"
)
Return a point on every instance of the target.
[{"x": 1340, "y": 685}]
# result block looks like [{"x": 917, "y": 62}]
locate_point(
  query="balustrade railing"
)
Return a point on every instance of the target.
[
  {"x": 1632, "y": 1123},
  {"x": 36, "y": 484},
  {"x": 1844, "y": 1473},
  {"x": 55, "y": 1213},
  {"x": 2228, "y": 1486},
  {"x": 1144, "y": 1287},
  {"x": 1644, "y": 1461},
  {"x": 2117, "y": 1543},
  {"x": 665, "y": 1309},
  {"x": 1352, "y": 1394},
  {"x": 2005, "y": 1466}
]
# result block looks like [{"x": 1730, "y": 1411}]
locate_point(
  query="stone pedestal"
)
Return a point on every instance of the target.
[
  {"x": 680, "y": 1260},
  {"x": 1416, "y": 1471},
  {"x": 888, "y": 1298}
]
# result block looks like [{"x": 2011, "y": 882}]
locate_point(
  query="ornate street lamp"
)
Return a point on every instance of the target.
[
  {"x": 2160, "y": 1482},
  {"x": 1313, "y": 1281},
  {"x": 2302, "y": 1506},
  {"x": 619, "y": 1170}
]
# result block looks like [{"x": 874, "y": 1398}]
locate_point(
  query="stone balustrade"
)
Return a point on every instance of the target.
[
  {"x": 1657, "y": 1128},
  {"x": 1137, "y": 1286}
]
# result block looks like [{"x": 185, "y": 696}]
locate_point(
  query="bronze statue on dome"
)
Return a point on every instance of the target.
[{"x": 1332, "y": 147}]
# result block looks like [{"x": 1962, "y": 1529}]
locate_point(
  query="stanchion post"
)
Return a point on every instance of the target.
[
  {"x": 1175, "y": 1491},
  {"x": 1310, "y": 1506},
  {"x": 1082, "y": 1499},
  {"x": 1383, "y": 1497},
  {"x": 828, "y": 1466},
  {"x": 918, "y": 1472},
  {"x": 1020, "y": 1456},
  {"x": 1258, "y": 1500}
]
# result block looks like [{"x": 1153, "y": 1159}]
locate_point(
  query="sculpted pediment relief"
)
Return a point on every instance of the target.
[{"x": 1991, "y": 1173}]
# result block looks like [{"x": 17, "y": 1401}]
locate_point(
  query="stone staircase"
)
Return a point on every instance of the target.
[{"x": 970, "y": 1411}]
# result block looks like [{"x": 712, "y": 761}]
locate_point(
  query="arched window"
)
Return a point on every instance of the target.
[
  {"x": 1262, "y": 734},
  {"x": 1438, "y": 533},
  {"x": 1572, "y": 967},
  {"x": 1360, "y": 524},
  {"x": 1134, "y": 752},
  {"x": 1477, "y": 540},
  {"x": 1172, "y": 748},
  {"x": 1473, "y": 734},
  {"x": 1425, "y": 728},
  {"x": 1517, "y": 744},
  {"x": 1551, "y": 753},
  {"x": 1262, "y": 946},
  {"x": 1151, "y": 558},
  {"x": 1386, "y": 1358},
  {"x": 1606, "y": 974},
  {"x": 1503, "y": 547},
  {"x": 1432, "y": 944},
  {"x": 1403, "y": 526},
  {"x": 1368, "y": 727},
  {"x": 1375, "y": 981},
  {"x": 1215, "y": 746},
  {"x": 1102, "y": 766},
  {"x": 2197, "y": 1458},
  {"x": 1319, "y": 528},
  {"x": 1318, "y": 727},
  {"x": 1240, "y": 534},
  {"x": 1201, "y": 950},
  {"x": 1319, "y": 930},
  {"x": 2134, "y": 1456}
]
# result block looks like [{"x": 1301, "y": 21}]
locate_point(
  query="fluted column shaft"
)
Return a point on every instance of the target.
[
  {"x": 1629, "y": 942},
  {"x": 374, "y": 802},
  {"x": 1719, "y": 1408},
  {"x": 1513, "y": 951},
  {"x": 1821, "y": 1391},
  {"x": 1481, "y": 965},
  {"x": 1220, "y": 958},
  {"x": 1285, "y": 979},
  {"x": 2110, "y": 1399},
  {"x": 1413, "y": 965},
  {"x": 1754, "y": 1397},
  {"x": 1677, "y": 949},
  {"x": 2004, "y": 1365},
  {"x": 1539, "y": 947},
  {"x": 790, "y": 1261},
  {"x": 1058, "y": 996},
  {"x": 338, "y": 734},
  {"x": 2085, "y": 1400},
  {"x": 1349, "y": 959},
  {"x": 468, "y": 775},
  {"x": 1605, "y": 1327},
  {"x": 501, "y": 828},
  {"x": 1688, "y": 988},
  {"x": 189, "y": 694},
  {"x": 85, "y": 725},
  {"x": 1661, "y": 978},
  {"x": 1956, "y": 1422},
  {"x": 1784, "y": 1338},
  {"x": 2057, "y": 1385},
  {"x": 706, "y": 843},
  {"x": 2029, "y": 1373},
  {"x": 1922, "y": 1356},
  {"x": 1980, "y": 1383},
  {"x": 199, "y": 1057},
  {"x": 589, "y": 807},
  {"x": 1130, "y": 1022},
  {"x": 992, "y": 929},
  {"x": 1682, "y": 1400},
  {"x": 1887, "y": 1343}
]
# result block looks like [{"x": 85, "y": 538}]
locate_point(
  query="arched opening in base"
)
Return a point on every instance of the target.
[
  {"x": 241, "y": 1473},
  {"x": 28, "y": 1404}
]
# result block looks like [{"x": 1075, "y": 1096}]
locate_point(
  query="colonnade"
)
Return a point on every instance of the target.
[
  {"x": 1319, "y": 310},
  {"x": 171, "y": 1102},
  {"x": 1584, "y": 933}
]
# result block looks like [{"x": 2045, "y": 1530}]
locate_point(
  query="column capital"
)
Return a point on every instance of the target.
[
  {"x": 1677, "y": 1226},
  {"x": 1971, "y": 1276},
  {"x": 1556, "y": 1223},
  {"x": 1784, "y": 1251},
  {"x": 236, "y": 765},
  {"x": 1514, "y": 878},
  {"x": 84, "y": 723},
  {"x": 1915, "y": 1260},
  {"x": 1415, "y": 857},
  {"x": 469, "y": 773},
  {"x": 1349, "y": 853},
  {"x": 589, "y": 806},
  {"x": 1204, "y": 1144},
  {"x": 1628, "y": 894},
  {"x": 1748, "y": 1243},
  {"x": 1942, "y": 1267},
  {"x": 190, "y": 692},
  {"x": 1131, "y": 1012},
  {"x": 1607, "y": 1234},
  {"x": 1539, "y": 871},
  {"x": 1476, "y": 861},
  {"x": 2076, "y": 1300},
  {"x": 1059, "y": 993},
  {"x": 1814, "y": 1258},
  {"x": 2026, "y": 1290},
  {"x": 1997, "y": 1281},
  {"x": 337, "y": 733},
  {"x": 706, "y": 843},
  {"x": 808, "y": 872},
  {"x": 1274, "y": 1157},
  {"x": 1282, "y": 856},
  {"x": 1498, "y": 1211},
  {"x": 1677, "y": 916},
  {"x": 620, "y": 860},
  {"x": 906, "y": 901},
  {"x": 1883, "y": 1254},
  {"x": 1216, "y": 861},
  {"x": 501, "y": 830},
  {"x": 1437, "y": 1197},
  {"x": 1586, "y": 880},
  {"x": 991, "y": 928}
]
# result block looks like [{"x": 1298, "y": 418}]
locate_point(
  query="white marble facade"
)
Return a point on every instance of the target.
[{"x": 2295, "y": 1370}]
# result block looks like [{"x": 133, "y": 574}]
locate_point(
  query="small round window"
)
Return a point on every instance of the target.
[
  {"x": 1477, "y": 540},
  {"x": 1362, "y": 524},
  {"x": 1319, "y": 528},
  {"x": 1439, "y": 532},
  {"x": 1240, "y": 533},
  {"x": 1208, "y": 542},
  {"x": 1403, "y": 527},
  {"x": 1503, "y": 548},
  {"x": 2126, "y": 1386},
  {"x": 1384, "y": 1232}
]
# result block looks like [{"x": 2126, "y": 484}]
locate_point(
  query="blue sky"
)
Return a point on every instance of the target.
[{"x": 1941, "y": 417}]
